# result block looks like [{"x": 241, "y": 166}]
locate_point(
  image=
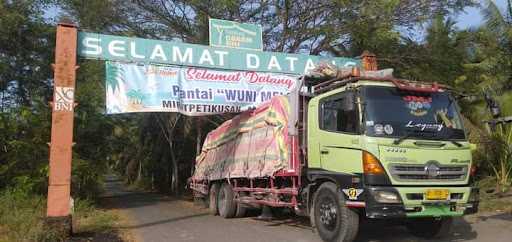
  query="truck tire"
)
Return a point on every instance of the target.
[
  {"x": 241, "y": 209},
  {"x": 333, "y": 221},
  {"x": 213, "y": 199},
  {"x": 227, "y": 204},
  {"x": 430, "y": 228}
]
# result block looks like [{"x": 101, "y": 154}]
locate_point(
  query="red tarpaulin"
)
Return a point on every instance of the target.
[{"x": 253, "y": 144}]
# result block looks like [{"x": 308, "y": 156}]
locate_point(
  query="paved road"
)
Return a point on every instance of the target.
[{"x": 157, "y": 218}]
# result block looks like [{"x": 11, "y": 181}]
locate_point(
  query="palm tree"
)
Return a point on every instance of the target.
[
  {"x": 500, "y": 25},
  {"x": 499, "y": 146}
]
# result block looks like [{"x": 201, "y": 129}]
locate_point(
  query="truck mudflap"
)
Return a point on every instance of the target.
[{"x": 397, "y": 209}]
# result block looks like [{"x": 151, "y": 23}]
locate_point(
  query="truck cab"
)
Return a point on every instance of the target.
[{"x": 395, "y": 149}]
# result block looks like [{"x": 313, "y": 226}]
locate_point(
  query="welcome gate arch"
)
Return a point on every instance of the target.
[{"x": 225, "y": 65}]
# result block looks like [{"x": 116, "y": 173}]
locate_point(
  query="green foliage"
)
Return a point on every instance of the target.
[
  {"x": 24, "y": 89},
  {"x": 492, "y": 202},
  {"x": 26, "y": 44},
  {"x": 90, "y": 219},
  {"x": 22, "y": 214},
  {"x": 25, "y": 116},
  {"x": 24, "y": 149},
  {"x": 499, "y": 156}
]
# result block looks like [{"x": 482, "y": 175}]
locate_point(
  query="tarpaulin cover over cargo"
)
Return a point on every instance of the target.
[{"x": 253, "y": 144}]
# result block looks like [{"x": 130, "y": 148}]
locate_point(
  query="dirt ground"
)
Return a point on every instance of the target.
[{"x": 155, "y": 217}]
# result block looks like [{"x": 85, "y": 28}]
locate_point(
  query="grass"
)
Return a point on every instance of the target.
[
  {"x": 22, "y": 214},
  {"x": 491, "y": 201},
  {"x": 496, "y": 205},
  {"x": 20, "y": 217}
]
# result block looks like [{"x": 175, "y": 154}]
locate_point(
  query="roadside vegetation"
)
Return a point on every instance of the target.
[
  {"x": 21, "y": 214},
  {"x": 156, "y": 151},
  {"x": 491, "y": 201}
]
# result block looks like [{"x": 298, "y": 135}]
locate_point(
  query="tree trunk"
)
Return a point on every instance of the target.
[
  {"x": 175, "y": 173},
  {"x": 198, "y": 144},
  {"x": 139, "y": 175}
]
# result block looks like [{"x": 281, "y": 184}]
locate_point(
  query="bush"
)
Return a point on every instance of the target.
[
  {"x": 87, "y": 178},
  {"x": 21, "y": 217},
  {"x": 499, "y": 156}
]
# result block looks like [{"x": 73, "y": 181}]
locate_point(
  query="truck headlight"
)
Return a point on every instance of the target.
[{"x": 386, "y": 197}]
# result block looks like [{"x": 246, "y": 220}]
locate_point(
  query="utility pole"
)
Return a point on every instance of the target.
[{"x": 58, "y": 207}]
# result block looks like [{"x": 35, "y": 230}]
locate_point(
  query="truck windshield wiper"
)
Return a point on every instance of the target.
[
  {"x": 456, "y": 143},
  {"x": 410, "y": 132},
  {"x": 402, "y": 138}
]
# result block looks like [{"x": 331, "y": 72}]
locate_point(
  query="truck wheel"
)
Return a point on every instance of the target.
[
  {"x": 332, "y": 220},
  {"x": 213, "y": 199},
  {"x": 241, "y": 209},
  {"x": 227, "y": 204},
  {"x": 430, "y": 228}
]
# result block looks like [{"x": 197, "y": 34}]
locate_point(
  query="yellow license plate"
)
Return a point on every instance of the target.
[{"x": 437, "y": 194}]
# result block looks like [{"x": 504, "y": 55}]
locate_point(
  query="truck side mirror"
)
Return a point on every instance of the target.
[{"x": 349, "y": 101}]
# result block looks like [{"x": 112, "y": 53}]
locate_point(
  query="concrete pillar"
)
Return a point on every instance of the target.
[{"x": 63, "y": 104}]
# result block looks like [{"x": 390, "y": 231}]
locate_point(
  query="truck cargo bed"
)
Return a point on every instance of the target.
[{"x": 254, "y": 144}]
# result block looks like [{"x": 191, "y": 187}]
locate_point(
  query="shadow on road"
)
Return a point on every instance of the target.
[
  {"x": 136, "y": 200},
  {"x": 382, "y": 230},
  {"x": 502, "y": 216},
  {"x": 163, "y": 221},
  {"x": 117, "y": 196},
  {"x": 290, "y": 219}
]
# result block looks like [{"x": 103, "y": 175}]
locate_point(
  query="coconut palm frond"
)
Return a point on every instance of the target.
[{"x": 494, "y": 18}]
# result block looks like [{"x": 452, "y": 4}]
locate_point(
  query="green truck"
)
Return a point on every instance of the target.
[{"x": 357, "y": 146}]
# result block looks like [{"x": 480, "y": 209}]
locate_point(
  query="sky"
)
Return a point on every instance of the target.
[{"x": 472, "y": 16}]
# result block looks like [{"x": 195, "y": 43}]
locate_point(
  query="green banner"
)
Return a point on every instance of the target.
[
  {"x": 224, "y": 33},
  {"x": 127, "y": 49}
]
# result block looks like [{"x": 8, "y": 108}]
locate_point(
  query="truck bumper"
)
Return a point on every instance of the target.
[{"x": 411, "y": 202}]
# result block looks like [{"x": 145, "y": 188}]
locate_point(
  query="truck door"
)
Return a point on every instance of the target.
[{"x": 339, "y": 138}]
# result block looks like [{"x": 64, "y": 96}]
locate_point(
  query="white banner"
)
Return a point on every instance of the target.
[{"x": 193, "y": 91}]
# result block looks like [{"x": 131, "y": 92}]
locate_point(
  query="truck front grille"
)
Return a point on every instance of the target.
[{"x": 431, "y": 171}]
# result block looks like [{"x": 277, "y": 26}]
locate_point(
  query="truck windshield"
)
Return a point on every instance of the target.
[{"x": 390, "y": 112}]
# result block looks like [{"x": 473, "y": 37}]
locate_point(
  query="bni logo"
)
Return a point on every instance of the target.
[{"x": 64, "y": 99}]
